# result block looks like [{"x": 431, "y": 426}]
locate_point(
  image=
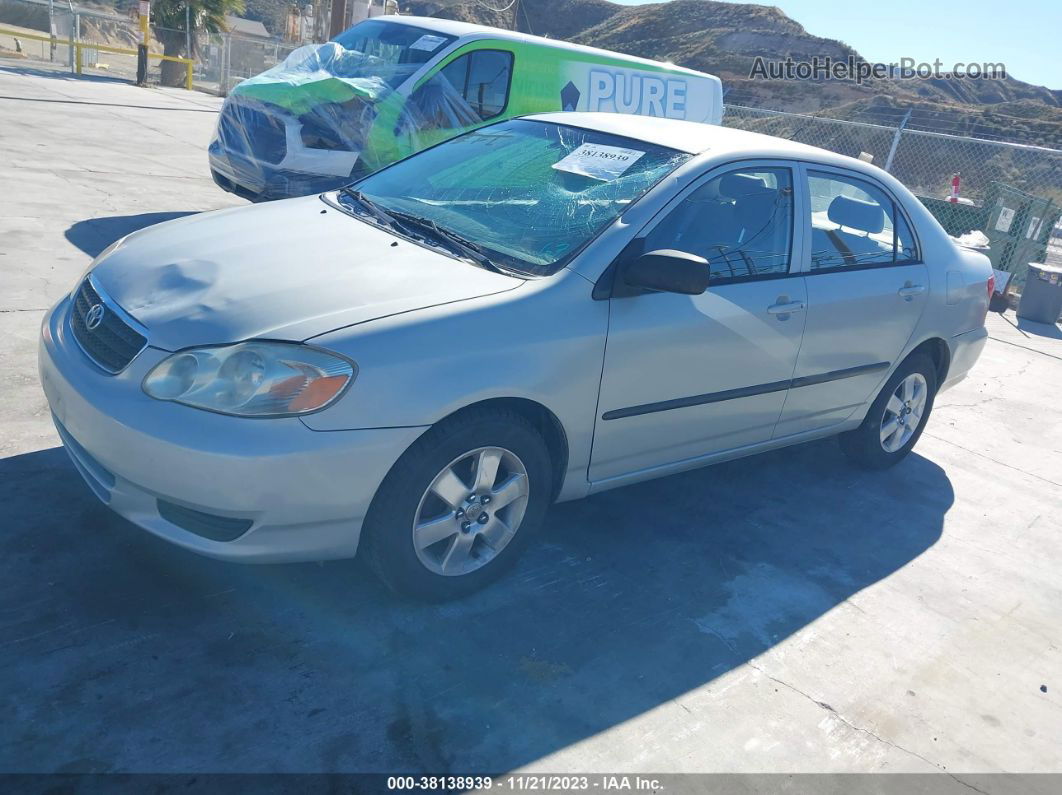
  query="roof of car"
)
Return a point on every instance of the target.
[
  {"x": 692, "y": 137},
  {"x": 452, "y": 27},
  {"x": 686, "y": 136}
]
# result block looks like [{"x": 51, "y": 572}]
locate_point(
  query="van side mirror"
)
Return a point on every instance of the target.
[{"x": 667, "y": 271}]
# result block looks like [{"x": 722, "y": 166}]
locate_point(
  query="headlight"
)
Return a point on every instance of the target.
[{"x": 252, "y": 379}]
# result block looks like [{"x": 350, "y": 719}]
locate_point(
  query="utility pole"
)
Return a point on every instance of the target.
[{"x": 339, "y": 18}]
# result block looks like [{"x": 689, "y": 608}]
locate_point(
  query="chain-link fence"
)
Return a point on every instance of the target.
[
  {"x": 51, "y": 31},
  {"x": 58, "y": 32},
  {"x": 224, "y": 59},
  {"x": 1010, "y": 192},
  {"x": 41, "y": 31},
  {"x": 844, "y": 137}
]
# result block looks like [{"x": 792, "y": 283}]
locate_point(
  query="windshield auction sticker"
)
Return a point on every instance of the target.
[
  {"x": 427, "y": 42},
  {"x": 598, "y": 161}
]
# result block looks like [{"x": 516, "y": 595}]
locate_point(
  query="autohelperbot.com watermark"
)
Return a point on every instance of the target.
[{"x": 851, "y": 68}]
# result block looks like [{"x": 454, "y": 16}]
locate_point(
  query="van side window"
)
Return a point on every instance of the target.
[
  {"x": 741, "y": 222},
  {"x": 855, "y": 224},
  {"x": 472, "y": 88}
]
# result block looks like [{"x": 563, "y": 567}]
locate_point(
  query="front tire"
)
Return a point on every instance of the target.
[
  {"x": 896, "y": 418},
  {"x": 460, "y": 505}
]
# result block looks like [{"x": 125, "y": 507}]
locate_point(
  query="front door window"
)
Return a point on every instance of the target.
[
  {"x": 741, "y": 222},
  {"x": 467, "y": 91}
]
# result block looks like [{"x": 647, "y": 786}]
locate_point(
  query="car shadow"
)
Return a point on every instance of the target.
[
  {"x": 125, "y": 653},
  {"x": 93, "y": 235}
]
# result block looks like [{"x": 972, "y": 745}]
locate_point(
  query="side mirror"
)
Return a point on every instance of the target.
[{"x": 667, "y": 271}]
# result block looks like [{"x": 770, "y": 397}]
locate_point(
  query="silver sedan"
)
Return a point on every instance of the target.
[{"x": 418, "y": 365}]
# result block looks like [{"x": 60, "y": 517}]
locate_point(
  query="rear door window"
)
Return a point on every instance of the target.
[{"x": 855, "y": 224}]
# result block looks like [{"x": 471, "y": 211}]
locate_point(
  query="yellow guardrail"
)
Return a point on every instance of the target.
[{"x": 81, "y": 45}]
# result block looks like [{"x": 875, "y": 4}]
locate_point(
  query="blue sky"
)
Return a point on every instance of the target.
[{"x": 1023, "y": 34}]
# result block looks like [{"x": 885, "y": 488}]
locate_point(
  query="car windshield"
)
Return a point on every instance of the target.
[
  {"x": 389, "y": 50},
  {"x": 529, "y": 194}
]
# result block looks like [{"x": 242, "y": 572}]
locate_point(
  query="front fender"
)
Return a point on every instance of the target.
[{"x": 543, "y": 341}]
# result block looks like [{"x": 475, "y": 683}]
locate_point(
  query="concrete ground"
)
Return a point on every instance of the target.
[{"x": 783, "y": 613}]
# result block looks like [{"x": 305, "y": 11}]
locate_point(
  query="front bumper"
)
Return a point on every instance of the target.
[
  {"x": 258, "y": 181},
  {"x": 262, "y": 151},
  {"x": 280, "y": 491}
]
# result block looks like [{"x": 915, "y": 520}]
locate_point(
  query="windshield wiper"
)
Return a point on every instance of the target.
[
  {"x": 401, "y": 222},
  {"x": 376, "y": 210},
  {"x": 468, "y": 248}
]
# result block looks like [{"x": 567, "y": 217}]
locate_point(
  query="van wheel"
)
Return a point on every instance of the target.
[
  {"x": 896, "y": 418},
  {"x": 460, "y": 505}
]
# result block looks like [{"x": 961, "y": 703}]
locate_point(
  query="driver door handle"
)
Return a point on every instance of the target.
[
  {"x": 909, "y": 291},
  {"x": 785, "y": 308}
]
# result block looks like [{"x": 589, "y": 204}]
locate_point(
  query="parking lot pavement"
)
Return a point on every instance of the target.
[{"x": 779, "y": 613}]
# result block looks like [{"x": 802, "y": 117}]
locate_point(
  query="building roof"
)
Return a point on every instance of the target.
[{"x": 246, "y": 27}]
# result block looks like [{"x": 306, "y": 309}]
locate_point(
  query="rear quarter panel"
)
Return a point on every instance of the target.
[{"x": 958, "y": 286}]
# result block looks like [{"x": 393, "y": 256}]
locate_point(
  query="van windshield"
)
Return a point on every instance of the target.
[
  {"x": 391, "y": 50},
  {"x": 529, "y": 194}
]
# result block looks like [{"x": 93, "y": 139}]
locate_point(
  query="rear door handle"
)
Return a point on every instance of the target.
[
  {"x": 909, "y": 291},
  {"x": 786, "y": 308}
]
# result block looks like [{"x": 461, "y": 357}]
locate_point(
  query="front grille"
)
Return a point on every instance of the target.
[
  {"x": 207, "y": 525},
  {"x": 113, "y": 343},
  {"x": 335, "y": 126}
]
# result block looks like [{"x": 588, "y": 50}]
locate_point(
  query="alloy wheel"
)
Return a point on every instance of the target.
[
  {"x": 471, "y": 510},
  {"x": 903, "y": 412}
]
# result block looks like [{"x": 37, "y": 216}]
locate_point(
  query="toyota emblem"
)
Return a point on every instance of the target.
[{"x": 94, "y": 316}]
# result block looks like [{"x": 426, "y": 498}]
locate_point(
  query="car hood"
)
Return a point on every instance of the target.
[
  {"x": 321, "y": 74},
  {"x": 287, "y": 270}
]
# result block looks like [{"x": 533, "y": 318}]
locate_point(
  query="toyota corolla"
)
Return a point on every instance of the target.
[{"x": 418, "y": 365}]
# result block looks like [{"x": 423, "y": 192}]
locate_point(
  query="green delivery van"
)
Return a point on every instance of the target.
[{"x": 393, "y": 85}]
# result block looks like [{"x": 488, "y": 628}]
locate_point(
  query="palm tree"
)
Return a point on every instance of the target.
[{"x": 168, "y": 24}]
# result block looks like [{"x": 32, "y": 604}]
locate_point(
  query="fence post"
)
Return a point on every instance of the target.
[
  {"x": 896, "y": 141},
  {"x": 51, "y": 29},
  {"x": 188, "y": 75},
  {"x": 223, "y": 86}
]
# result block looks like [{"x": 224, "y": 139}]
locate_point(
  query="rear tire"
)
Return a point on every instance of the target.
[
  {"x": 896, "y": 418},
  {"x": 460, "y": 505}
]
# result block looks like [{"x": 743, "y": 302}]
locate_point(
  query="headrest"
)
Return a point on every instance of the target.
[
  {"x": 754, "y": 211},
  {"x": 857, "y": 214},
  {"x": 735, "y": 186}
]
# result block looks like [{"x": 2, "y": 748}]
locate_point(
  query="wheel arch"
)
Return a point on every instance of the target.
[
  {"x": 544, "y": 421},
  {"x": 938, "y": 351}
]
